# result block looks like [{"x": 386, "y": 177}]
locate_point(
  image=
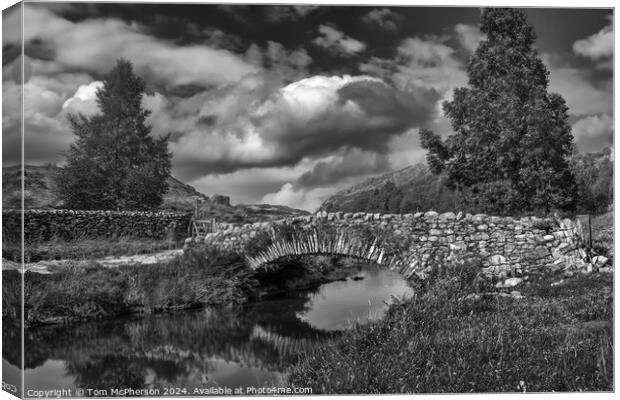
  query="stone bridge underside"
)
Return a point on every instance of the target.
[{"x": 410, "y": 243}]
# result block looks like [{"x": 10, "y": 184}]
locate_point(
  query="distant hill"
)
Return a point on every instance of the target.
[
  {"x": 40, "y": 193},
  {"x": 409, "y": 189},
  {"x": 415, "y": 189}
]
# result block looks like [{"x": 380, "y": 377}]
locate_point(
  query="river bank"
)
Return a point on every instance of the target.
[
  {"x": 78, "y": 292},
  {"x": 454, "y": 337}
]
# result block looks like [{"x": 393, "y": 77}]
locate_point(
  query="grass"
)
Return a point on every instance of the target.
[
  {"x": 200, "y": 277},
  {"x": 603, "y": 235},
  {"x": 203, "y": 276},
  {"x": 451, "y": 338},
  {"x": 84, "y": 248}
]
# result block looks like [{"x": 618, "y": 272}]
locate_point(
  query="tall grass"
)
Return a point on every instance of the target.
[
  {"x": 201, "y": 276},
  {"x": 452, "y": 338}
]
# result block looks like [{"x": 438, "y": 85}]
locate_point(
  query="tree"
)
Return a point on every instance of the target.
[
  {"x": 512, "y": 139},
  {"x": 114, "y": 163}
]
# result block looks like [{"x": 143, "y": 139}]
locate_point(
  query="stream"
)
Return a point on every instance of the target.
[{"x": 188, "y": 351}]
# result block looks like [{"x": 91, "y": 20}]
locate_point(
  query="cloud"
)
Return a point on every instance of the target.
[
  {"x": 383, "y": 18},
  {"x": 469, "y": 36},
  {"x": 260, "y": 124},
  {"x": 303, "y": 199},
  {"x": 247, "y": 185},
  {"x": 597, "y": 46},
  {"x": 285, "y": 13},
  {"x": 214, "y": 37},
  {"x": 427, "y": 63},
  {"x": 582, "y": 95},
  {"x": 335, "y": 40},
  {"x": 593, "y": 126},
  {"x": 84, "y": 99},
  {"x": 163, "y": 62},
  {"x": 594, "y": 132},
  {"x": 291, "y": 64},
  {"x": 350, "y": 163}
]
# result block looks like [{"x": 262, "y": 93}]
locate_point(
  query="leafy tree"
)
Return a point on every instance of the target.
[
  {"x": 594, "y": 175},
  {"x": 512, "y": 138},
  {"x": 114, "y": 163}
]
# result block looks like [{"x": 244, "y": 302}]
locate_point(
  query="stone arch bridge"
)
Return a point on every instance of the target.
[{"x": 408, "y": 243}]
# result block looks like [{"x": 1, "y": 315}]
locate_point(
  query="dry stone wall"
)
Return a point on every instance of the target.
[
  {"x": 506, "y": 246},
  {"x": 72, "y": 224}
]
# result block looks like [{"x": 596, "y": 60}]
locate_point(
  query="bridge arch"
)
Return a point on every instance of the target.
[{"x": 410, "y": 243}]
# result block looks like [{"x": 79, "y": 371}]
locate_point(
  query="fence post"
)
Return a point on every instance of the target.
[{"x": 586, "y": 229}]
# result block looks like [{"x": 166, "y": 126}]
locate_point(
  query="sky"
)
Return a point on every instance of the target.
[{"x": 282, "y": 104}]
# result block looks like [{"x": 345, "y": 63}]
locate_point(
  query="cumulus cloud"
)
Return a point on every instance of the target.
[
  {"x": 593, "y": 126},
  {"x": 259, "y": 124},
  {"x": 84, "y": 99},
  {"x": 597, "y": 46},
  {"x": 382, "y": 17},
  {"x": 335, "y": 40},
  {"x": 593, "y": 132},
  {"x": 469, "y": 36},
  {"x": 161, "y": 61}
]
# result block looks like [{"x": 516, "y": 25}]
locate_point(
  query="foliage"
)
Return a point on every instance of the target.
[
  {"x": 447, "y": 339},
  {"x": 594, "y": 175},
  {"x": 114, "y": 163},
  {"x": 512, "y": 137}
]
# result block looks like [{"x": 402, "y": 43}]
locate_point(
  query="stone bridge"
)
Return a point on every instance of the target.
[{"x": 409, "y": 243}]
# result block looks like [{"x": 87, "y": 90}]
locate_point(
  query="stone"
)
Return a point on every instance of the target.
[
  {"x": 435, "y": 232},
  {"x": 189, "y": 240},
  {"x": 446, "y": 216},
  {"x": 599, "y": 261},
  {"x": 497, "y": 259},
  {"x": 510, "y": 282},
  {"x": 431, "y": 214},
  {"x": 516, "y": 294},
  {"x": 548, "y": 238},
  {"x": 482, "y": 227}
]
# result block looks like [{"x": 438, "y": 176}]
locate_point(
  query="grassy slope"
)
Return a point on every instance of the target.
[{"x": 554, "y": 339}]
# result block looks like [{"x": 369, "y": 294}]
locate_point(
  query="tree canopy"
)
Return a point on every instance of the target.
[
  {"x": 114, "y": 163},
  {"x": 512, "y": 140}
]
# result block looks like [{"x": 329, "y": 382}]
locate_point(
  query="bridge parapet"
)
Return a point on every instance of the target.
[{"x": 505, "y": 245}]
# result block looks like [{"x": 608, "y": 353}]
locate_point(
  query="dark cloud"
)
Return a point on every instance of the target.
[
  {"x": 351, "y": 163},
  {"x": 383, "y": 18}
]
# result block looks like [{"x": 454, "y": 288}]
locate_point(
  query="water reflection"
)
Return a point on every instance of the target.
[{"x": 252, "y": 346}]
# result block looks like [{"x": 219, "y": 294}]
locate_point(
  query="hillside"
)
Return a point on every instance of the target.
[
  {"x": 415, "y": 188},
  {"x": 409, "y": 189},
  {"x": 40, "y": 193}
]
